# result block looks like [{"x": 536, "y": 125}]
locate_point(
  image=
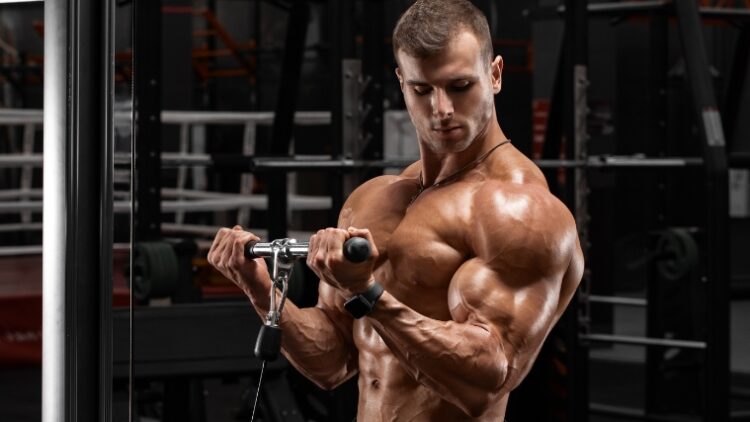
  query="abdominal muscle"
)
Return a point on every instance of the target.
[{"x": 387, "y": 392}]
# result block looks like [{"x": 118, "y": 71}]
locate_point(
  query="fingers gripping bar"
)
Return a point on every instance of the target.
[{"x": 283, "y": 253}]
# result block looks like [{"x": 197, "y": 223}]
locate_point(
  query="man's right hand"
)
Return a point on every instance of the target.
[{"x": 227, "y": 254}]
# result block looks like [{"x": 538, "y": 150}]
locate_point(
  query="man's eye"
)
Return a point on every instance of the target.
[
  {"x": 463, "y": 86},
  {"x": 421, "y": 90}
]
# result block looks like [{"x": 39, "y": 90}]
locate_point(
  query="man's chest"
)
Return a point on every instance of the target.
[
  {"x": 421, "y": 255},
  {"x": 421, "y": 245}
]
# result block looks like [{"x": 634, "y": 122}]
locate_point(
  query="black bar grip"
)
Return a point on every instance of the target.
[
  {"x": 249, "y": 250},
  {"x": 357, "y": 249},
  {"x": 268, "y": 344}
]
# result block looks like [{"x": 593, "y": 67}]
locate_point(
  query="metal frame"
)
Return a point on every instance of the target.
[
  {"x": 736, "y": 83},
  {"x": 618, "y": 300},
  {"x": 341, "y": 17},
  {"x": 620, "y": 9},
  {"x": 283, "y": 124},
  {"x": 77, "y": 240},
  {"x": 717, "y": 211},
  {"x": 714, "y": 162},
  {"x": 373, "y": 63},
  {"x": 251, "y": 163},
  {"x": 575, "y": 112},
  {"x": 658, "y": 141},
  {"x": 644, "y": 341},
  {"x": 147, "y": 122}
]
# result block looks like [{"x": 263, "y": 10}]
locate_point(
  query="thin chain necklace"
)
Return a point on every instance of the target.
[{"x": 453, "y": 176}]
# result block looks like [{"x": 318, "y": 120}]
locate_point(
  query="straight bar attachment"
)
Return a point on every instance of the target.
[{"x": 356, "y": 250}]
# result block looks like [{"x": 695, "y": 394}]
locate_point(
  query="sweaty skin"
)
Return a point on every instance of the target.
[{"x": 476, "y": 271}]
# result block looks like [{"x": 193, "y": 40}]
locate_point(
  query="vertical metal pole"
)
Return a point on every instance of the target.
[
  {"x": 351, "y": 108},
  {"x": 106, "y": 210},
  {"x": 77, "y": 240},
  {"x": 736, "y": 83},
  {"x": 716, "y": 388},
  {"x": 55, "y": 212},
  {"x": 575, "y": 129},
  {"x": 283, "y": 122},
  {"x": 658, "y": 63},
  {"x": 373, "y": 62},
  {"x": 147, "y": 124},
  {"x": 341, "y": 41},
  {"x": 553, "y": 136}
]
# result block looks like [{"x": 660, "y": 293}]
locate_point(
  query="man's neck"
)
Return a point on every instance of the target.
[{"x": 437, "y": 167}]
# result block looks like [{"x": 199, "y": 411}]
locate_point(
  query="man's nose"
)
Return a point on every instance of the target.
[{"x": 442, "y": 106}]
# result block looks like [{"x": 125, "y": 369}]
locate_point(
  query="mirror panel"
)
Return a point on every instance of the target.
[{"x": 21, "y": 59}]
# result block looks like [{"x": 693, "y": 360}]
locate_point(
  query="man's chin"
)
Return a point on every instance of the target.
[{"x": 449, "y": 145}]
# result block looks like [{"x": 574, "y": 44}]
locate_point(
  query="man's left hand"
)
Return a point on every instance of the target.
[{"x": 326, "y": 258}]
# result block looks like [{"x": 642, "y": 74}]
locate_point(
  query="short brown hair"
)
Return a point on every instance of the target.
[{"x": 427, "y": 27}]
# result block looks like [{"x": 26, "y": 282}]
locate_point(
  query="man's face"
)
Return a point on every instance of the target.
[{"x": 450, "y": 96}]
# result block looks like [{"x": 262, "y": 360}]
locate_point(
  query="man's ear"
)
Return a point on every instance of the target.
[
  {"x": 496, "y": 73},
  {"x": 400, "y": 78}
]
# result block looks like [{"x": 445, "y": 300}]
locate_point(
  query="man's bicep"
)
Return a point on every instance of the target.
[
  {"x": 525, "y": 243},
  {"x": 517, "y": 314}
]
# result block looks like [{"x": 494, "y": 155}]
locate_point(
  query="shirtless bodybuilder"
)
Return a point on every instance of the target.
[{"x": 476, "y": 258}]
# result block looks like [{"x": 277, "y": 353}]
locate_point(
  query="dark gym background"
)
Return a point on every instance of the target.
[{"x": 220, "y": 80}]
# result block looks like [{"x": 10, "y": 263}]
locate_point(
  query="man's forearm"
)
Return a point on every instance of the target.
[
  {"x": 312, "y": 343},
  {"x": 316, "y": 347},
  {"x": 464, "y": 363}
]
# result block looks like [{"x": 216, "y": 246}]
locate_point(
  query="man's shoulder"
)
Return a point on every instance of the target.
[
  {"x": 525, "y": 219},
  {"x": 378, "y": 189},
  {"x": 519, "y": 201},
  {"x": 374, "y": 185}
]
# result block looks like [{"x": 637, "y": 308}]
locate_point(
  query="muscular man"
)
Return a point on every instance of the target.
[{"x": 477, "y": 259}]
